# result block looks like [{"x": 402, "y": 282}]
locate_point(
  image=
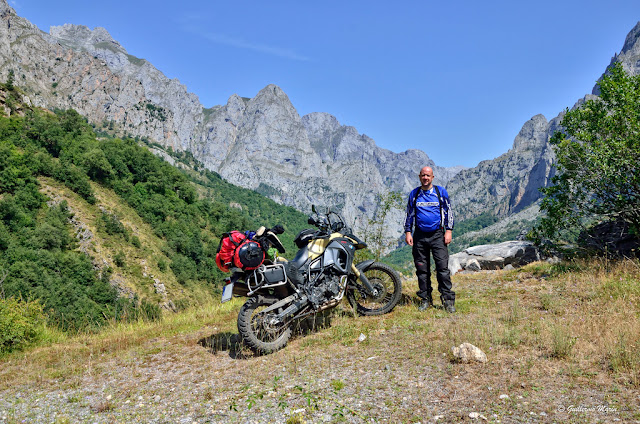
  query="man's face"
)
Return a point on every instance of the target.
[{"x": 426, "y": 177}]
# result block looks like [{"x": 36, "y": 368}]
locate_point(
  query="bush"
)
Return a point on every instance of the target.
[
  {"x": 112, "y": 225},
  {"x": 598, "y": 151},
  {"x": 119, "y": 259},
  {"x": 148, "y": 311},
  {"x": 21, "y": 324},
  {"x": 162, "y": 264},
  {"x": 74, "y": 178}
]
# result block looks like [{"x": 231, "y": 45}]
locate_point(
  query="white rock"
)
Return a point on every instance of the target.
[
  {"x": 454, "y": 265},
  {"x": 467, "y": 352},
  {"x": 476, "y": 415}
]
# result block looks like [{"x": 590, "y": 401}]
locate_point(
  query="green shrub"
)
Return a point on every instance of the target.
[
  {"x": 112, "y": 225},
  {"x": 119, "y": 259},
  {"x": 21, "y": 324},
  {"x": 148, "y": 311},
  {"x": 75, "y": 178},
  {"x": 162, "y": 265}
]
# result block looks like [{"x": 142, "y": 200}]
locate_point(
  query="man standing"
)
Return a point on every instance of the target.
[{"x": 428, "y": 207}]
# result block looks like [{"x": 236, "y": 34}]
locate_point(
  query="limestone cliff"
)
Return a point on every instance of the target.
[{"x": 261, "y": 143}]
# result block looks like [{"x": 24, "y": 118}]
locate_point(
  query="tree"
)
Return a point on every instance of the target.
[
  {"x": 10, "y": 80},
  {"x": 598, "y": 161},
  {"x": 376, "y": 236},
  {"x": 96, "y": 164}
]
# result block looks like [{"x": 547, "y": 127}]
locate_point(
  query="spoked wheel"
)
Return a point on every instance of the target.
[
  {"x": 386, "y": 281},
  {"x": 261, "y": 331}
]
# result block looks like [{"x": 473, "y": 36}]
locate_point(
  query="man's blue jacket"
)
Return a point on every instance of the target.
[{"x": 428, "y": 211}]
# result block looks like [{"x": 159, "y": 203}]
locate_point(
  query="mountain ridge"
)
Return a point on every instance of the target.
[
  {"x": 259, "y": 143},
  {"x": 262, "y": 143}
]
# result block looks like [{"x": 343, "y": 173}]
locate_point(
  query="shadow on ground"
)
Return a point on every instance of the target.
[
  {"x": 415, "y": 301},
  {"x": 232, "y": 342},
  {"x": 224, "y": 342}
]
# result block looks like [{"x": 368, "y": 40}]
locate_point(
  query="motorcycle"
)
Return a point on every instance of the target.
[{"x": 322, "y": 273}]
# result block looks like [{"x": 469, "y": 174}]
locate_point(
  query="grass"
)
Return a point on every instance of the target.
[
  {"x": 555, "y": 336},
  {"x": 64, "y": 356}
]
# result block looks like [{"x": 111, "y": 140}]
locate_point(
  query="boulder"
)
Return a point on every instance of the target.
[
  {"x": 467, "y": 352},
  {"x": 473, "y": 265},
  {"x": 612, "y": 239},
  {"x": 494, "y": 256}
]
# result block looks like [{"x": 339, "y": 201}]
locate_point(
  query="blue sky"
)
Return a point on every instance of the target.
[{"x": 455, "y": 79}]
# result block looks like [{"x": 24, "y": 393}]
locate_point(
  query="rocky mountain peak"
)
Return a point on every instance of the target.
[
  {"x": 13, "y": 21},
  {"x": 80, "y": 37},
  {"x": 272, "y": 97},
  {"x": 533, "y": 134},
  {"x": 629, "y": 56},
  {"x": 632, "y": 43},
  {"x": 321, "y": 122},
  {"x": 5, "y": 8},
  {"x": 97, "y": 43}
]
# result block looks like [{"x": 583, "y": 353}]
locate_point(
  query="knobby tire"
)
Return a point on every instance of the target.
[
  {"x": 383, "y": 277},
  {"x": 257, "y": 332}
]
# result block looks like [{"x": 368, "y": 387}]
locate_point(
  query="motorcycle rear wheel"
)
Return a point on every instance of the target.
[
  {"x": 387, "y": 281},
  {"x": 261, "y": 332}
]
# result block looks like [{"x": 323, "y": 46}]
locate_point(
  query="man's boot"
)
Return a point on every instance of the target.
[
  {"x": 425, "y": 304},
  {"x": 448, "y": 306}
]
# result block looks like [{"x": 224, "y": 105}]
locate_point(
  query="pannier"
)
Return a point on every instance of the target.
[{"x": 238, "y": 250}]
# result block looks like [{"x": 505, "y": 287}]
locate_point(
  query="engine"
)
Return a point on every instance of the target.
[{"x": 326, "y": 287}]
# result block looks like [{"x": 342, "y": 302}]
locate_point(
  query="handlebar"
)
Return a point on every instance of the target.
[{"x": 328, "y": 221}]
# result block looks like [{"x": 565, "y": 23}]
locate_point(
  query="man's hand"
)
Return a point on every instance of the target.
[
  {"x": 408, "y": 238},
  {"x": 448, "y": 236}
]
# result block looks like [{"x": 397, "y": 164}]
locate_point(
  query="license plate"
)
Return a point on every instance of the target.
[{"x": 227, "y": 292}]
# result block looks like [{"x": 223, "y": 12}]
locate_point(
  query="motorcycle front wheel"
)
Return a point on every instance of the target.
[
  {"x": 383, "y": 278},
  {"x": 262, "y": 332}
]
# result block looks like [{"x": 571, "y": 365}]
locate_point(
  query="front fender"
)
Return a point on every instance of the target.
[{"x": 364, "y": 265}]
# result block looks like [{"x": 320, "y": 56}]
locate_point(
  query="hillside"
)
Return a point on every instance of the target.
[
  {"x": 99, "y": 228},
  {"x": 561, "y": 344}
]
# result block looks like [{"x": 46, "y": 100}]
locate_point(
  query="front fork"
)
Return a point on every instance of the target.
[{"x": 358, "y": 271}]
